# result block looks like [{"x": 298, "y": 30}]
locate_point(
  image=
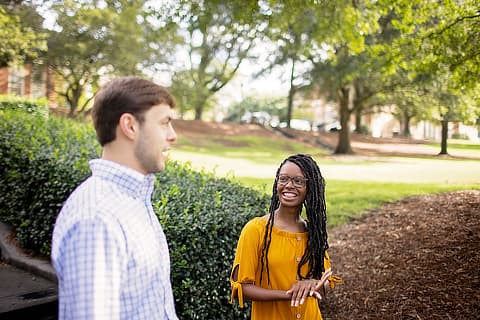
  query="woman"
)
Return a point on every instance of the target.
[{"x": 281, "y": 263}]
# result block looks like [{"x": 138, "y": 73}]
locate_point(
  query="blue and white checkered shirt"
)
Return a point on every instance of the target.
[{"x": 109, "y": 250}]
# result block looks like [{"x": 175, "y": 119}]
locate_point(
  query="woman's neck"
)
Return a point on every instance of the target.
[{"x": 289, "y": 219}]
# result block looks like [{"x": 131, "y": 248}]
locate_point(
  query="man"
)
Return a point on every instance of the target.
[{"x": 108, "y": 248}]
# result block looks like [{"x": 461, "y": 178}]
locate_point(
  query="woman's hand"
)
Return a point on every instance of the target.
[{"x": 309, "y": 287}]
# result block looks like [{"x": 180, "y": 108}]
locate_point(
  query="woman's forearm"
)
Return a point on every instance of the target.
[{"x": 256, "y": 293}]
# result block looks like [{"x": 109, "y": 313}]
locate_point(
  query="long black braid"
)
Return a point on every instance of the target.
[{"x": 315, "y": 208}]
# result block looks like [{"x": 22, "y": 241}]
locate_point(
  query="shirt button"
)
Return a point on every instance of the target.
[
  {"x": 299, "y": 315},
  {"x": 299, "y": 238},
  {"x": 298, "y": 259}
]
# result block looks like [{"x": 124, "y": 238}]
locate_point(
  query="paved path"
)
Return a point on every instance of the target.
[
  {"x": 20, "y": 289},
  {"x": 362, "y": 168},
  {"x": 27, "y": 284}
]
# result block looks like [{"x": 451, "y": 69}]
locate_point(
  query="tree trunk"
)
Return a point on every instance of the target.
[
  {"x": 358, "y": 119},
  {"x": 444, "y": 135},
  {"x": 76, "y": 93},
  {"x": 291, "y": 93},
  {"x": 343, "y": 146},
  {"x": 406, "y": 126},
  {"x": 198, "y": 112},
  {"x": 199, "y": 106}
]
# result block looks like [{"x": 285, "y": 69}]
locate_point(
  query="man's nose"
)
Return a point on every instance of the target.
[{"x": 172, "y": 135}]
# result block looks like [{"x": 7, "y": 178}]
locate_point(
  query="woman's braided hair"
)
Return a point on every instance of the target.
[{"x": 315, "y": 207}]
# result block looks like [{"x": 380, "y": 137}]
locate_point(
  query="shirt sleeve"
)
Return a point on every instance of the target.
[
  {"x": 333, "y": 280},
  {"x": 93, "y": 261},
  {"x": 246, "y": 259}
]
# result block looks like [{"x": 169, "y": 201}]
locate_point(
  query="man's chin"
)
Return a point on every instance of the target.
[{"x": 161, "y": 165}]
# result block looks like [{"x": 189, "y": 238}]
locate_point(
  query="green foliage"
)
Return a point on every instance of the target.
[
  {"x": 90, "y": 40},
  {"x": 19, "y": 42},
  {"x": 216, "y": 36},
  {"x": 272, "y": 105},
  {"x": 459, "y": 136},
  {"x": 202, "y": 217},
  {"x": 41, "y": 160},
  {"x": 363, "y": 129},
  {"x": 447, "y": 36},
  {"x": 32, "y": 106}
]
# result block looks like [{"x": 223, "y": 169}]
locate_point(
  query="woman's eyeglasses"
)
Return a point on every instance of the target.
[{"x": 298, "y": 182}]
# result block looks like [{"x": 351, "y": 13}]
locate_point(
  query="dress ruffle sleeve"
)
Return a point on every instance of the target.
[
  {"x": 246, "y": 260},
  {"x": 332, "y": 280}
]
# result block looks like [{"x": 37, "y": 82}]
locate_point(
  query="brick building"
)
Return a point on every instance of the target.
[{"x": 29, "y": 80}]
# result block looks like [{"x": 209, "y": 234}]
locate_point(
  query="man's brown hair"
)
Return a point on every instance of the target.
[{"x": 132, "y": 95}]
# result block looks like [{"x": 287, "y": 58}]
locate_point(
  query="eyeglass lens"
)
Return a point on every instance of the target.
[{"x": 297, "y": 181}]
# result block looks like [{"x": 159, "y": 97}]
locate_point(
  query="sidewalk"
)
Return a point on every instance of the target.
[{"x": 27, "y": 284}]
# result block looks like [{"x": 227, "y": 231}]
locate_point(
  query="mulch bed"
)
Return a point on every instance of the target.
[{"x": 418, "y": 258}]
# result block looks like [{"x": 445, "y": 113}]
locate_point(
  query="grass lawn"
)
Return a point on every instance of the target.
[
  {"x": 457, "y": 144},
  {"x": 354, "y": 184},
  {"x": 259, "y": 150},
  {"x": 347, "y": 200}
]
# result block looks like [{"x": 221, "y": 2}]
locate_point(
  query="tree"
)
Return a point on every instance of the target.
[
  {"x": 92, "y": 39},
  {"x": 453, "y": 41},
  {"x": 451, "y": 106},
  {"x": 405, "y": 37},
  {"x": 294, "y": 29},
  {"x": 348, "y": 64},
  {"x": 19, "y": 42},
  {"x": 275, "y": 107},
  {"x": 442, "y": 41},
  {"x": 217, "y": 36}
]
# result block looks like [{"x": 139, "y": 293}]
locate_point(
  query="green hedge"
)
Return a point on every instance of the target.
[
  {"x": 43, "y": 159},
  {"x": 33, "y": 106},
  {"x": 202, "y": 218},
  {"x": 41, "y": 162}
]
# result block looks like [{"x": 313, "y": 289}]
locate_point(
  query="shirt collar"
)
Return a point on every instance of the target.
[{"x": 133, "y": 182}]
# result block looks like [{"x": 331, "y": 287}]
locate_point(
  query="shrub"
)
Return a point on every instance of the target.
[
  {"x": 363, "y": 129},
  {"x": 43, "y": 159},
  {"x": 457, "y": 135},
  {"x": 33, "y": 106},
  {"x": 202, "y": 217}
]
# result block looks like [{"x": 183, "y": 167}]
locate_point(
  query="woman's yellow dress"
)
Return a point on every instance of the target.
[{"x": 286, "y": 250}]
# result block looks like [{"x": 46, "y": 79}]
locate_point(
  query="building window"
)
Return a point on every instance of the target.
[
  {"x": 38, "y": 84},
  {"x": 16, "y": 81}
]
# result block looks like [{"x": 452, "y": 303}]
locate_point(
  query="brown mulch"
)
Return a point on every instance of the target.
[{"x": 418, "y": 258}]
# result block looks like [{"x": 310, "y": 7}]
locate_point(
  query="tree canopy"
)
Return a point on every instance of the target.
[
  {"x": 19, "y": 42},
  {"x": 214, "y": 39},
  {"x": 358, "y": 54}
]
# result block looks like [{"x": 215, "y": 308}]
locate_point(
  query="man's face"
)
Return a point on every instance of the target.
[{"x": 154, "y": 139}]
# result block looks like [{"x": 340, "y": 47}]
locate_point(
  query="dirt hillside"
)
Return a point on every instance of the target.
[{"x": 362, "y": 145}]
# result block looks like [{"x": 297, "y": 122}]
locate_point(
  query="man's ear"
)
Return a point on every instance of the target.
[{"x": 128, "y": 125}]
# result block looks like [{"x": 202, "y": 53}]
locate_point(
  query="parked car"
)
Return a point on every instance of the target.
[
  {"x": 333, "y": 126},
  {"x": 298, "y": 124}
]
